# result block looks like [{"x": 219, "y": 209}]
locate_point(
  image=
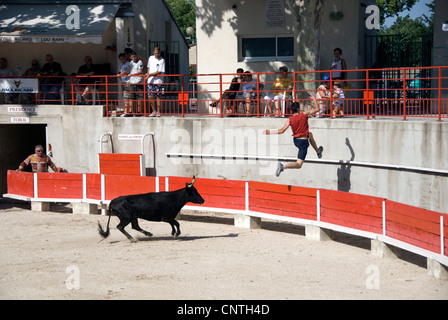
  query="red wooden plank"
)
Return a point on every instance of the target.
[
  {"x": 116, "y": 185},
  {"x": 283, "y": 200},
  {"x": 351, "y": 210},
  {"x": 119, "y": 156},
  {"x": 120, "y": 163},
  {"x": 413, "y": 225},
  {"x": 282, "y": 189},
  {"x": 93, "y": 186},
  {"x": 445, "y": 233},
  {"x": 59, "y": 185},
  {"x": 20, "y": 183},
  {"x": 217, "y": 193}
]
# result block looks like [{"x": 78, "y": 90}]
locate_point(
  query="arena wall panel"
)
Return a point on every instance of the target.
[
  {"x": 352, "y": 210},
  {"x": 120, "y": 163},
  {"x": 283, "y": 200},
  {"x": 118, "y": 185},
  {"x": 93, "y": 186},
  {"x": 217, "y": 193},
  {"x": 60, "y": 185},
  {"x": 20, "y": 183},
  {"x": 413, "y": 225}
]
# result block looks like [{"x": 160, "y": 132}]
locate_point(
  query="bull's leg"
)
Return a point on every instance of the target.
[
  {"x": 135, "y": 226},
  {"x": 123, "y": 223},
  {"x": 173, "y": 223}
]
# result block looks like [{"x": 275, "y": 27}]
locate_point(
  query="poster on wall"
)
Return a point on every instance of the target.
[
  {"x": 19, "y": 85},
  {"x": 275, "y": 13}
]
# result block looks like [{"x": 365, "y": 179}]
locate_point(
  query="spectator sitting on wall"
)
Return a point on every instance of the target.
[
  {"x": 282, "y": 85},
  {"x": 248, "y": 90},
  {"x": 5, "y": 72},
  {"x": 39, "y": 161},
  {"x": 51, "y": 86},
  {"x": 86, "y": 83},
  {"x": 34, "y": 71}
]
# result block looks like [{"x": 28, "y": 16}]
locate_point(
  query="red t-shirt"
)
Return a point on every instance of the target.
[{"x": 299, "y": 125}]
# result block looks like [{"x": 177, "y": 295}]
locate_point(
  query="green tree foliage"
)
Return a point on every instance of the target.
[
  {"x": 390, "y": 8},
  {"x": 184, "y": 12},
  {"x": 407, "y": 42}
]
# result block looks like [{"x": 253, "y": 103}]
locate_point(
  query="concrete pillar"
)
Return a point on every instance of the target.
[
  {"x": 436, "y": 269},
  {"x": 381, "y": 249},
  {"x": 243, "y": 221},
  {"x": 318, "y": 233},
  {"x": 84, "y": 208},
  {"x": 40, "y": 206}
]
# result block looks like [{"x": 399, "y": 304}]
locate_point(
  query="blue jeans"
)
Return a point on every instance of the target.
[{"x": 51, "y": 91}]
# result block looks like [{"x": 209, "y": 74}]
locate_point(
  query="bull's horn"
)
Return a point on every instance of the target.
[{"x": 192, "y": 182}]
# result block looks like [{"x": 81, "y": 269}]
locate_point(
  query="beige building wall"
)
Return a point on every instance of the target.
[{"x": 221, "y": 24}]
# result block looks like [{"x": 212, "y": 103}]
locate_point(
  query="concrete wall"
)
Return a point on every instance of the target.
[{"x": 74, "y": 132}]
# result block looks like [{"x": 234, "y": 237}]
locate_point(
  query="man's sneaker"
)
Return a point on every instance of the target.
[
  {"x": 319, "y": 152},
  {"x": 153, "y": 114},
  {"x": 280, "y": 168}
]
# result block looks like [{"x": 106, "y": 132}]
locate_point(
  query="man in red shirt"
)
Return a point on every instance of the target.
[{"x": 301, "y": 134}]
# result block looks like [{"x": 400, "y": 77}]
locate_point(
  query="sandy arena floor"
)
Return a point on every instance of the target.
[{"x": 43, "y": 255}]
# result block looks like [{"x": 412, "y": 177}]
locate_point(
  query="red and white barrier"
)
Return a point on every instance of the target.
[{"x": 414, "y": 229}]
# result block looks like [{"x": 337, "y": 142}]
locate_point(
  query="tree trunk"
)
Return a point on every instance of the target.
[{"x": 308, "y": 17}]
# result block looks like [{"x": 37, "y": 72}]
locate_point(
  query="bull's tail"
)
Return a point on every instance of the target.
[{"x": 103, "y": 233}]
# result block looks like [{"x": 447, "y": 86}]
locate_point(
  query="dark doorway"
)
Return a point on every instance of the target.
[{"x": 17, "y": 141}]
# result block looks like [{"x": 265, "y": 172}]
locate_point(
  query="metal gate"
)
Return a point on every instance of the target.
[{"x": 390, "y": 51}]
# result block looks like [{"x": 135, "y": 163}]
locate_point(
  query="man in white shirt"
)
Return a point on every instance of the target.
[
  {"x": 156, "y": 67},
  {"x": 126, "y": 88},
  {"x": 136, "y": 82}
]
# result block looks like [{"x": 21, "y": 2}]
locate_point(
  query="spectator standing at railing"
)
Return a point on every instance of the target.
[
  {"x": 125, "y": 87},
  {"x": 51, "y": 85},
  {"x": 135, "y": 70},
  {"x": 39, "y": 161},
  {"x": 5, "y": 72},
  {"x": 281, "y": 85},
  {"x": 156, "y": 68},
  {"x": 338, "y": 65}
]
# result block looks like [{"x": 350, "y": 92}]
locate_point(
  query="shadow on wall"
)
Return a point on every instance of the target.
[{"x": 345, "y": 170}]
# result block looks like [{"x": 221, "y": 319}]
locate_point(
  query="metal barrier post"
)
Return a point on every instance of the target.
[
  {"x": 220, "y": 96},
  {"x": 73, "y": 91},
  {"x": 439, "y": 117},
  {"x": 404, "y": 94},
  {"x": 368, "y": 94},
  {"x": 331, "y": 94},
  {"x": 107, "y": 96}
]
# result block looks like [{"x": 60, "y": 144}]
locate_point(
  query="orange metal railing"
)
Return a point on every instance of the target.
[{"x": 399, "y": 92}]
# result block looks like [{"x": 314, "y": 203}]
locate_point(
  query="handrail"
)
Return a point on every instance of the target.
[
  {"x": 101, "y": 141},
  {"x": 319, "y": 161},
  {"x": 397, "y": 92}
]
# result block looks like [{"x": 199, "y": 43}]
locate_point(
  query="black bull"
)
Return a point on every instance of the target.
[{"x": 153, "y": 206}]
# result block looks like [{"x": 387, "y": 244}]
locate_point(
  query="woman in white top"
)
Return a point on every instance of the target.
[{"x": 337, "y": 65}]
